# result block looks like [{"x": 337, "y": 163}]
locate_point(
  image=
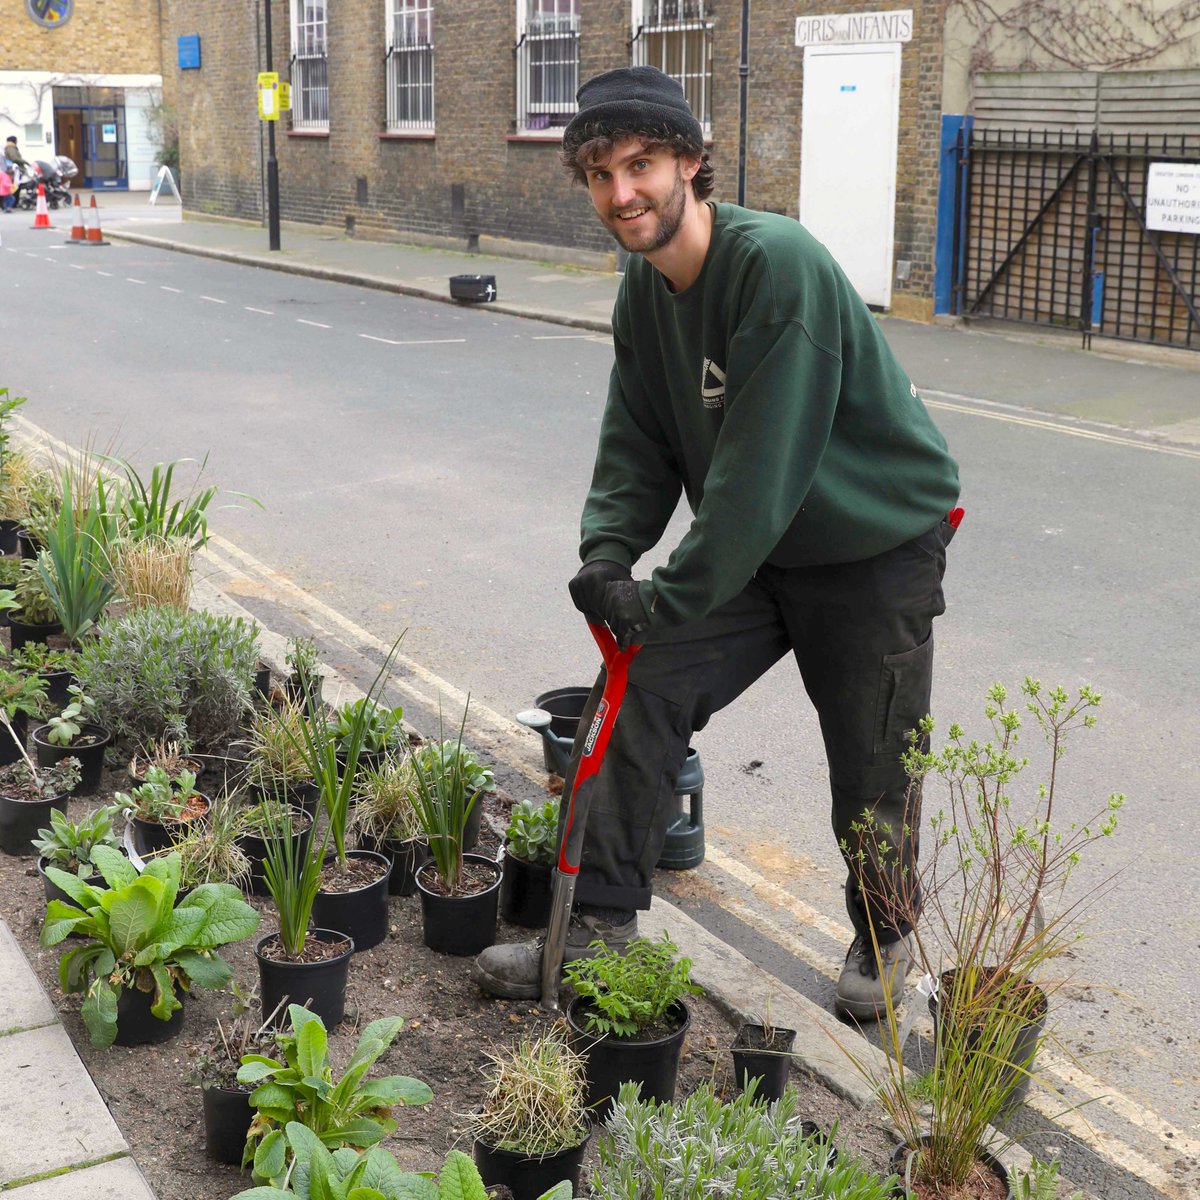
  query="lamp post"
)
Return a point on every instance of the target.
[
  {"x": 272, "y": 161},
  {"x": 743, "y": 101}
]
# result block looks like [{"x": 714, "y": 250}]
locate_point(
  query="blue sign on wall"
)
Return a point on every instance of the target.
[{"x": 189, "y": 52}]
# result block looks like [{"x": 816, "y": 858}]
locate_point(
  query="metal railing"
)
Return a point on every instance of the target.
[
  {"x": 410, "y": 86},
  {"x": 677, "y": 37},
  {"x": 1055, "y": 234},
  {"x": 310, "y": 91},
  {"x": 547, "y": 66}
]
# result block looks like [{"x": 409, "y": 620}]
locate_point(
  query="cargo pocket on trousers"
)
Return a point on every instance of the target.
[{"x": 905, "y": 681}]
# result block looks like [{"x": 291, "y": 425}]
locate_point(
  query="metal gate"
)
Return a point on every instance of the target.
[{"x": 1052, "y": 231}]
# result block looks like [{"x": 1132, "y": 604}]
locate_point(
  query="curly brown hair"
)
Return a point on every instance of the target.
[{"x": 593, "y": 143}]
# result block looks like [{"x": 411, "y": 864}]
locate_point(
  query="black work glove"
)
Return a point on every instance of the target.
[
  {"x": 587, "y": 588},
  {"x": 624, "y": 612}
]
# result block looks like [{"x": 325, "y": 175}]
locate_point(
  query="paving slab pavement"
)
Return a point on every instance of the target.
[
  {"x": 119, "y": 1179},
  {"x": 23, "y": 1003}
]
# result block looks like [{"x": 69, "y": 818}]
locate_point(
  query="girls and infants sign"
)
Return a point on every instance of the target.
[{"x": 1173, "y": 197}]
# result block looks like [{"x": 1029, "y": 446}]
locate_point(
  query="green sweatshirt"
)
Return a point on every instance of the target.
[{"x": 767, "y": 393}]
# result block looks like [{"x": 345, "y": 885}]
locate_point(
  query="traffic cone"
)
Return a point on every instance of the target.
[
  {"x": 94, "y": 236},
  {"x": 78, "y": 230},
  {"x": 42, "y": 220}
]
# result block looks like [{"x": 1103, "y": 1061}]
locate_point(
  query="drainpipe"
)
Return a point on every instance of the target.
[{"x": 743, "y": 101}]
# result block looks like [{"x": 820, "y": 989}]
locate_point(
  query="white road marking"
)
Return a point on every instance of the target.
[
  {"x": 265, "y": 312},
  {"x": 76, "y": 267},
  {"x": 53, "y": 260},
  {"x": 106, "y": 274},
  {"x": 212, "y": 299},
  {"x": 163, "y": 288},
  {"x": 30, "y": 254},
  {"x": 11, "y": 250},
  {"x": 130, "y": 279},
  {"x": 561, "y": 337},
  {"x": 316, "y": 324},
  {"x": 422, "y": 342},
  {"x": 1094, "y": 435}
]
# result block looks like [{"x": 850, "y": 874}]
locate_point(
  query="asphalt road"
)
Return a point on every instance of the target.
[{"x": 421, "y": 467}]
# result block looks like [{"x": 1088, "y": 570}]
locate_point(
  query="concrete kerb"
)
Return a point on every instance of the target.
[{"x": 357, "y": 279}]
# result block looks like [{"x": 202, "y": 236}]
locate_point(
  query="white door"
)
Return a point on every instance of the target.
[{"x": 848, "y": 141}]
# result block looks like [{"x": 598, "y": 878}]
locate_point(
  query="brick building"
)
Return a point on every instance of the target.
[
  {"x": 84, "y": 79},
  {"x": 440, "y": 118}
]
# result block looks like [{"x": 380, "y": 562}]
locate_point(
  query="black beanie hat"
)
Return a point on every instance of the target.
[{"x": 640, "y": 99}]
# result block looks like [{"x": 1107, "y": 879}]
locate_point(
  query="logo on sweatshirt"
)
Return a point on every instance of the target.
[{"x": 712, "y": 385}]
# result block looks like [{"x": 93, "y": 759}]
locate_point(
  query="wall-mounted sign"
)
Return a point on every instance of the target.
[
  {"x": 50, "y": 13},
  {"x": 285, "y": 96},
  {"x": 847, "y": 29},
  {"x": 108, "y": 133},
  {"x": 187, "y": 46},
  {"x": 1173, "y": 197},
  {"x": 268, "y": 95}
]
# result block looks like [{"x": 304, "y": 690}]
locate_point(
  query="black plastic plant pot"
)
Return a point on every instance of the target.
[
  {"x": 28, "y": 543},
  {"x": 295, "y": 690},
  {"x": 138, "y": 1026},
  {"x": 53, "y": 891},
  {"x": 755, "y": 1056},
  {"x": 254, "y": 846},
  {"x": 20, "y": 821},
  {"x": 157, "y": 837},
  {"x": 9, "y": 751},
  {"x": 227, "y": 1117},
  {"x": 58, "y": 686},
  {"x": 988, "y": 1161},
  {"x": 406, "y": 857},
  {"x": 23, "y": 633},
  {"x": 529, "y": 1177},
  {"x": 262, "y": 681},
  {"x": 1020, "y": 1054},
  {"x": 361, "y": 913},
  {"x": 474, "y": 823},
  {"x": 459, "y": 924},
  {"x": 91, "y": 756},
  {"x": 321, "y": 985},
  {"x": 304, "y": 795},
  {"x": 613, "y": 1061},
  {"x": 525, "y": 890},
  {"x": 8, "y": 536}
]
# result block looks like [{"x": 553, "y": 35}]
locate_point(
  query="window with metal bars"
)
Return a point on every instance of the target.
[
  {"x": 677, "y": 36},
  {"x": 547, "y": 63},
  {"x": 410, "y": 65},
  {"x": 310, "y": 65}
]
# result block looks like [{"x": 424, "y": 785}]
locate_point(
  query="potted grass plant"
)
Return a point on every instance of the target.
[
  {"x": 144, "y": 946},
  {"x": 165, "y": 754},
  {"x": 72, "y": 732},
  {"x": 264, "y": 820},
  {"x": 531, "y": 1131},
  {"x": 68, "y": 845},
  {"x": 210, "y": 848},
  {"x": 277, "y": 764},
  {"x": 153, "y": 571},
  {"x": 530, "y": 846},
  {"x": 450, "y": 757},
  {"x": 460, "y": 893},
  {"x": 992, "y": 922},
  {"x": 161, "y": 809},
  {"x": 630, "y": 1014},
  {"x": 386, "y": 821}
]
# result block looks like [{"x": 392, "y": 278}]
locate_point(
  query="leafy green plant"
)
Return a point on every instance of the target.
[
  {"x": 383, "y": 807},
  {"x": 700, "y": 1148},
  {"x": 988, "y": 889},
  {"x": 137, "y": 937},
  {"x": 381, "y": 726},
  {"x": 628, "y": 992},
  {"x": 1038, "y": 1181},
  {"x": 373, "y": 1174},
  {"x": 8, "y": 406},
  {"x": 448, "y": 782},
  {"x": 535, "y": 1102},
  {"x": 299, "y": 1086},
  {"x": 34, "y": 605},
  {"x": 217, "y": 1059},
  {"x": 75, "y": 566},
  {"x": 10, "y": 571},
  {"x": 22, "y": 778},
  {"x": 160, "y": 798},
  {"x": 65, "y": 726},
  {"x": 20, "y": 693},
  {"x": 33, "y": 657},
  {"x": 532, "y": 833},
  {"x": 149, "y": 511},
  {"x": 68, "y": 844},
  {"x": 302, "y": 657},
  {"x": 167, "y": 672}
]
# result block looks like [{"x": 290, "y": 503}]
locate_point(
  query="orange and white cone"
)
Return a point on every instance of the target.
[
  {"x": 42, "y": 220},
  {"x": 94, "y": 236},
  {"x": 78, "y": 230}
]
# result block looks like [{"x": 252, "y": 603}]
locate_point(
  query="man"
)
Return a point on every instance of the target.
[
  {"x": 12, "y": 154},
  {"x": 752, "y": 377}
]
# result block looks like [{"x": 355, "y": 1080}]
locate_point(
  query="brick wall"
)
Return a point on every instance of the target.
[
  {"x": 113, "y": 37},
  {"x": 505, "y": 186}
]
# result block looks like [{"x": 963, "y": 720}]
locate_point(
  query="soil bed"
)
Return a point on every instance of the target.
[{"x": 449, "y": 1025}]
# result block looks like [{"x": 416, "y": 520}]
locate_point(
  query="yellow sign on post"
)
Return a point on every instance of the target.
[
  {"x": 285, "y": 97},
  {"x": 268, "y": 95}
]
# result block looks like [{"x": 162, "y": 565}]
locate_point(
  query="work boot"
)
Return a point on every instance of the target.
[
  {"x": 861, "y": 993},
  {"x": 514, "y": 971}
]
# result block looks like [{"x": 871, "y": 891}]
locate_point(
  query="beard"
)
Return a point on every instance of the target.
[{"x": 670, "y": 218}]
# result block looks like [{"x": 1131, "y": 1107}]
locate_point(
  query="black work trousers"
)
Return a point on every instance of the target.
[{"x": 862, "y": 634}]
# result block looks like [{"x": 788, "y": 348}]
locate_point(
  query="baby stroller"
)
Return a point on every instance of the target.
[{"x": 55, "y": 175}]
